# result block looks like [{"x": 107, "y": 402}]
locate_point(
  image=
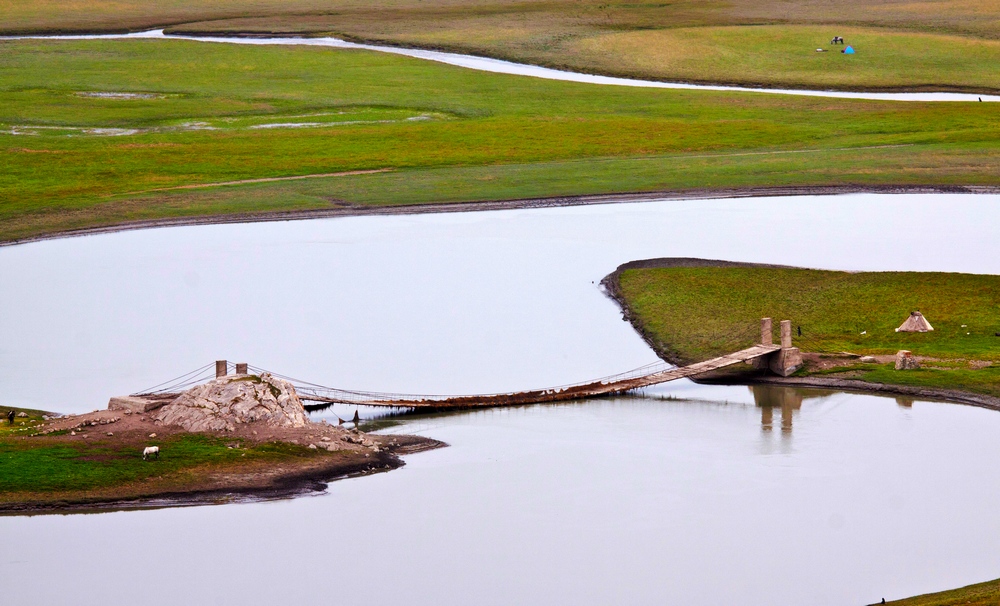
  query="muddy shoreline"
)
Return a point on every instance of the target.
[{"x": 524, "y": 203}]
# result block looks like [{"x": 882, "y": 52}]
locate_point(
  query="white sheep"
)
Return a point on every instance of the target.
[{"x": 151, "y": 451}]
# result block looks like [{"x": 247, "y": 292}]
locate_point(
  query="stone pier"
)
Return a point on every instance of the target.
[{"x": 786, "y": 360}]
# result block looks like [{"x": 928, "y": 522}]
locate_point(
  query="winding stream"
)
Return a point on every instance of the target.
[
  {"x": 688, "y": 494},
  {"x": 507, "y": 67}
]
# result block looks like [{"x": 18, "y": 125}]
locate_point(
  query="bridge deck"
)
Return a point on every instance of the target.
[{"x": 571, "y": 392}]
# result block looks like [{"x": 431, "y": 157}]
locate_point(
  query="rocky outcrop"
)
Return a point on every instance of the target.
[{"x": 222, "y": 404}]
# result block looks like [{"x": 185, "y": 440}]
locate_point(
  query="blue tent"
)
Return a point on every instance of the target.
[{"x": 849, "y": 50}]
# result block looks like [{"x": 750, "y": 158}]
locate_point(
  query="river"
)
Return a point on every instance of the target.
[
  {"x": 684, "y": 494},
  {"x": 508, "y": 67}
]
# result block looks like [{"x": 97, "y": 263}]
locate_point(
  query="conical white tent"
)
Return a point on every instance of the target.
[{"x": 915, "y": 323}]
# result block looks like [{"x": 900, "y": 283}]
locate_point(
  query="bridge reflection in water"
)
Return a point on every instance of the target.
[{"x": 788, "y": 402}]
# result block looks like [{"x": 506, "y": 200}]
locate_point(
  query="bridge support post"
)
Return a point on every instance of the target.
[
  {"x": 221, "y": 368},
  {"x": 766, "y": 338},
  {"x": 241, "y": 368},
  {"x": 766, "y": 335},
  {"x": 786, "y": 334},
  {"x": 788, "y": 359}
]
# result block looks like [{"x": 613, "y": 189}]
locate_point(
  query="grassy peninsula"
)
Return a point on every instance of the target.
[
  {"x": 691, "y": 310},
  {"x": 95, "y": 462}
]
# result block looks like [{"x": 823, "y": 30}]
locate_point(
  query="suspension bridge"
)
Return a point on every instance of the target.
[{"x": 782, "y": 359}]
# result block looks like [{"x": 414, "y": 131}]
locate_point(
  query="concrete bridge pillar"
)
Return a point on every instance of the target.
[
  {"x": 786, "y": 334},
  {"x": 788, "y": 359},
  {"x": 766, "y": 336},
  {"x": 221, "y": 368},
  {"x": 241, "y": 368}
]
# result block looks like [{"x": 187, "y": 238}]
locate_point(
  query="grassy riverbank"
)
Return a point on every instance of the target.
[
  {"x": 939, "y": 45},
  {"x": 980, "y": 594},
  {"x": 93, "y": 132},
  {"x": 694, "y": 312}
]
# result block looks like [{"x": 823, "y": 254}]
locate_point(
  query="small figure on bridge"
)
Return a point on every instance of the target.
[{"x": 10, "y": 417}]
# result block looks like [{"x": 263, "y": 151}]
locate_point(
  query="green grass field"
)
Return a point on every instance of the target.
[
  {"x": 39, "y": 467},
  {"x": 693, "y": 313},
  {"x": 935, "y": 44},
  {"x": 186, "y": 113},
  {"x": 33, "y": 468},
  {"x": 785, "y": 55}
]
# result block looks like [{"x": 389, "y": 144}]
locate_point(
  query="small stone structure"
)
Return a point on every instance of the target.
[
  {"x": 906, "y": 361},
  {"x": 915, "y": 323}
]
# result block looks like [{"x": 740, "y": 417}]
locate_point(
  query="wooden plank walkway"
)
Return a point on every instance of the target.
[{"x": 592, "y": 389}]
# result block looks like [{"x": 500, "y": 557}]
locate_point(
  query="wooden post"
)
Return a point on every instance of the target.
[
  {"x": 766, "y": 338},
  {"x": 241, "y": 368},
  {"x": 786, "y": 334},
  {"x": 221, "y": 368}
]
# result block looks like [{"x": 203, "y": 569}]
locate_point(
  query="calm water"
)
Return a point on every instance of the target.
[
  {"x": 724, "y": 495},
  {"x": 520, "y": 69}
]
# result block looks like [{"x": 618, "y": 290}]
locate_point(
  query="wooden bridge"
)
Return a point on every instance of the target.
[
  {"x": 636, "y": 379},
  {"x": 782, "y": 359}
]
